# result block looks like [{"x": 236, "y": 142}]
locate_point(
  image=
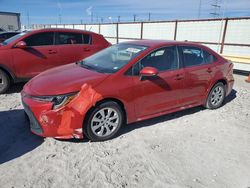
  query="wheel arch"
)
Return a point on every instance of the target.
[
  {"x": 8, "y": 72},
  {"x": 222, "y": 80},
  {"x": 119, "y": 102}
]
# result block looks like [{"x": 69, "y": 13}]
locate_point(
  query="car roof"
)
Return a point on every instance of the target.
[
  {"x": 63, "y": 30},
  {"x": 154, "y": 43}
]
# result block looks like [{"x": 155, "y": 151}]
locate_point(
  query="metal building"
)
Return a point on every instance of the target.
[{"x": 10, "y": 21}]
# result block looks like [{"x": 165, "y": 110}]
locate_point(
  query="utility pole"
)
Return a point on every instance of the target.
[
  {"x": 199, "y": 10},
  {"x": 28, "y": 19},
  {"x": 91, "y": 17},
  {"x": 102, "y": 20},
  {"x": 60, "y": 18},
  {"x": 149, "y": 16},
  {"x": 81, "y": 21},
  {"x": 134, "y": 17},
  {"x": 119, "y": 18},
  {"x": 216, "y": 8}
]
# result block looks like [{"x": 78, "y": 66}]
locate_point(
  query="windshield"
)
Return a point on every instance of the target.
[
  {"x": 112, "y": 59},
  {"x": 7, "y": 41}
]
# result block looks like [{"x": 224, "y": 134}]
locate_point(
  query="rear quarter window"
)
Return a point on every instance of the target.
[
  {"x": 208, "y": 58},
  {"x": 86, "y": 39}
]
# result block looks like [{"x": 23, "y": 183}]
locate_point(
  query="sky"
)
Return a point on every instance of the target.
[{"x": 87, "y": 11}]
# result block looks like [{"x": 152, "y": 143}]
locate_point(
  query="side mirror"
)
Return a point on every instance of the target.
[
  {"x": 21, "y": 45},
  {"x": 149, "y": 72}
]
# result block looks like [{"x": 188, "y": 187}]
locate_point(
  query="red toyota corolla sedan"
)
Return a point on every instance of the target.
[
  {"x": 29, "y": 53},
  {"x": 125, "y": 83}
]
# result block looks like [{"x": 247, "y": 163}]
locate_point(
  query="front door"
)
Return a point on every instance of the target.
[
  {"x": 40, "y": 55},
  {"x": 160, "y": 93}
]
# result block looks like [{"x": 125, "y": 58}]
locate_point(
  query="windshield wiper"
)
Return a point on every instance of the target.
[{"x": 87, "y": 66}]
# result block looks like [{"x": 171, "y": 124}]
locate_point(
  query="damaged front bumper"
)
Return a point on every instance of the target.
[{"x": 65, "y": 122}]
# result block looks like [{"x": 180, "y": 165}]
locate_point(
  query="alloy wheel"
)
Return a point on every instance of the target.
[
  {"x": 217, "y": 95},
  {"x": 104, "y": 122}
]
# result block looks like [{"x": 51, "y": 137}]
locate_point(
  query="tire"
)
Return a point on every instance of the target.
[
  {"x": 216, "y": 96},
  {"x": 4, "y": 82},
  {"x": 104, "y": 121}
]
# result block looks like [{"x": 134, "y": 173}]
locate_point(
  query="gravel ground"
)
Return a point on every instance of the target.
[{"x": 192, "y": 148}]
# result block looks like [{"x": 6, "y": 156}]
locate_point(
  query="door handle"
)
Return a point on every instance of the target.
[
  {"x": 86, "y": 49},
  {"x": 179, "y": 77},
  {"x": 209, "y": 70},
  {"x": 52, "y": 52}
]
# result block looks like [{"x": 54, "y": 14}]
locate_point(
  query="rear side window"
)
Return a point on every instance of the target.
[
  {"x": 72, "y": 38},
  {"x": 40, "y": 39},
  {"x": 196, "y": 56}
]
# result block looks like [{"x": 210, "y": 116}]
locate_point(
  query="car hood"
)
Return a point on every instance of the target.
[
  {"x": 62, "y": 80},
  {"x": 3, "y": 47}
]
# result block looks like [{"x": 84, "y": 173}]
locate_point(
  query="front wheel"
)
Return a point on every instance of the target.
[
  {"x": 104, "y": 121},
  {"x": 4, "y": 82},
  {"x": 216, "y": 96}
]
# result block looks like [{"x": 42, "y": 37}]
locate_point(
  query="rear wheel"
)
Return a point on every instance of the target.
[
  {"x": 216, "y": 96},
  {"x": 104, "y": 121},
  {"x": 4, "y": 82}
]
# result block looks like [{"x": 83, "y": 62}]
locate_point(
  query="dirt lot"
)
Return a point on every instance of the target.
[{"x": 192, "y": 148}]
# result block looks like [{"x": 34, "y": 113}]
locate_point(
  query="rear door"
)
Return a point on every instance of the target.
[
  {"x": 199, "y": 70},
  {"x": 72, "y": 46},
  {"x": 40, "y": 55}
]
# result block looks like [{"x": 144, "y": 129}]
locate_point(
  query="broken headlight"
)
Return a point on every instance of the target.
[{"x": 58, "y": 101}]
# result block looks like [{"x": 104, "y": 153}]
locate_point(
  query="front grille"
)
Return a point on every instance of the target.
[{"x": 34, "y": 125}]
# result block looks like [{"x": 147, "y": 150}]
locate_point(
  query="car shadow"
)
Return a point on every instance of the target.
[
  {"x": 160, "y": 119},
  {"x": 156, "y": 120},
  {"x": 16, "y": 138},
  {"x": 15, "y": 88},
  {"x": 230, "y": 97},
  {"x": 167, "y": 117}
]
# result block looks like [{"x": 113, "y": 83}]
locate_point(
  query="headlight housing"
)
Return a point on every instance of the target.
[{"x": 58, "y": 100}]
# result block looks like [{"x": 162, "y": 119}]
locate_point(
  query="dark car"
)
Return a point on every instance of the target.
[
  {"x": 29, "y": 53},
  {"x": 7, "y": 35},
  {"x": 125, "y": 83}
]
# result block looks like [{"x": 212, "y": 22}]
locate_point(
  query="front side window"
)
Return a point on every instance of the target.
[
  {"x": 162, "y": 59},
  {"x": 112, "y": 59},
  {"x": 40, "y": 39}
]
